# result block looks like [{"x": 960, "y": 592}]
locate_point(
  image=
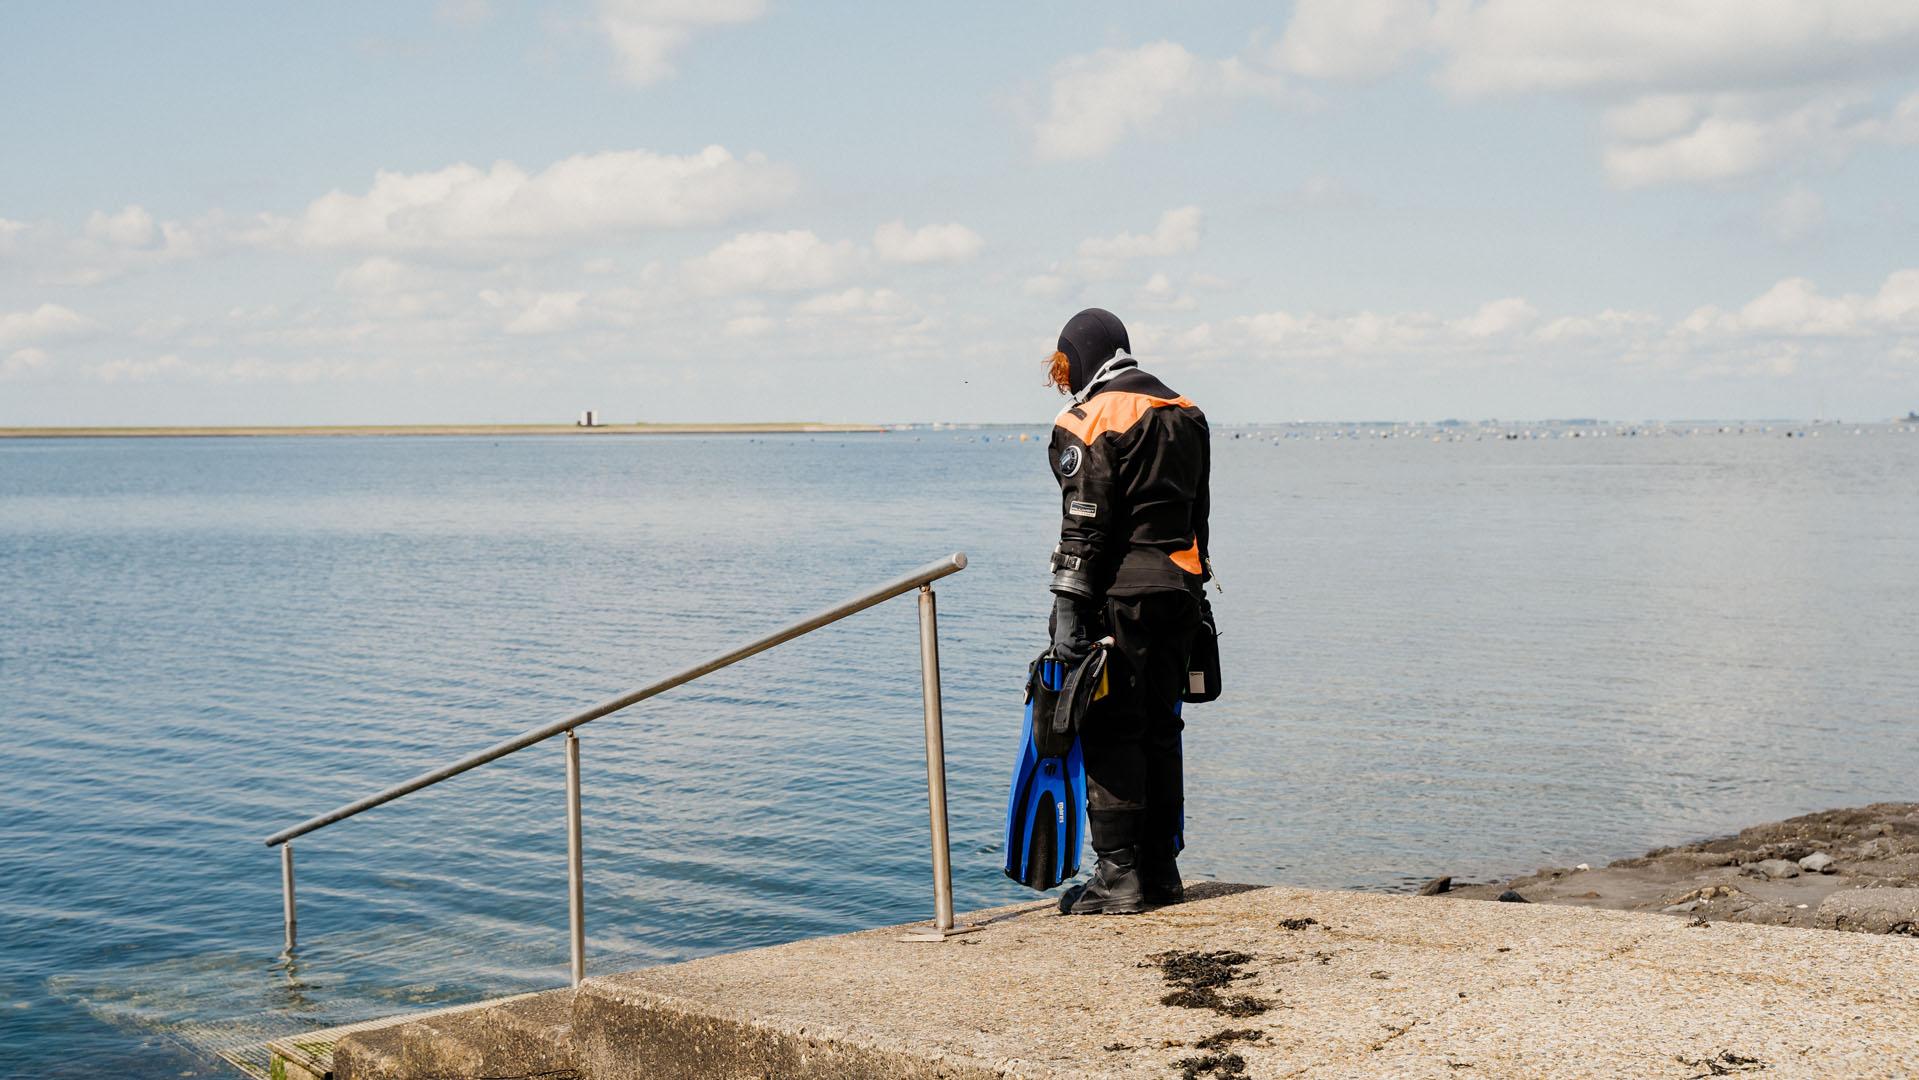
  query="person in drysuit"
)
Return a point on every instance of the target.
[{"x": 1132, "y": 459}]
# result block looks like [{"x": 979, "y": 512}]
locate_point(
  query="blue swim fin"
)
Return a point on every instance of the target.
[{"x": 1046, "y": 812}]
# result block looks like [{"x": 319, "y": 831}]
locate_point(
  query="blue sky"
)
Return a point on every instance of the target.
[{"x": 754, "y": 210}]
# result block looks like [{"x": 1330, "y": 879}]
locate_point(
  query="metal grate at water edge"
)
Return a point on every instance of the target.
[
  {"x": 219, "y": 1009},
  {"x": 235, "y": 1028},
  {"x": 303, "y": 1053}
]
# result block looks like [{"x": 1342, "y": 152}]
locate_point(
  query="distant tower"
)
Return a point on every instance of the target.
[{"x": 589, "y": 418}]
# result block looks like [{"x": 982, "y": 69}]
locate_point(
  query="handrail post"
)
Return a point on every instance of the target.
[
  {"x": 286, "y": 895},
  {"x": 935, "y": 774},
  {"x": 575, "y": 884}
]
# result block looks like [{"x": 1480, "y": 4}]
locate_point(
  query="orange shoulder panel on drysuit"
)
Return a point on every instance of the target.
[{"x": 1114, "y": 411}]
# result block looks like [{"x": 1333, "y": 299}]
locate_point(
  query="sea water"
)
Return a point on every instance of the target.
[{"x": 1445, "y": 651}]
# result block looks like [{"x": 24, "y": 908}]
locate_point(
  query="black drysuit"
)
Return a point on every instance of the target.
[{"x": 1132, "y": 461}]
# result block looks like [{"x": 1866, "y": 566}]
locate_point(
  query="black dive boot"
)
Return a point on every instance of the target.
[
  {"x": 1114, "y": 888},
  {"x": 1159, "y": 874}
]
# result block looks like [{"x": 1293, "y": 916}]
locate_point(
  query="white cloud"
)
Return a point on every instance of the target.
[
  {"x": 1795, "y": 215},
  {"x": 549, "y": 313},
  {"x": 749, "y": 326},
  {"x": 896, "y": 242},
  {"x": 108, "y": 246},
  {"x": 1903, "y": 128},
  {"x": 1796, "y": 308},
  {"x": 860, "y": 322},
  {"x": 1178, "y": 231},
  {"x": 1096, "y": 101},
  {"x": 172, "y": 367},
  {"x": 131, "y": 227},
  {"x": 1352, "y": 39},
  {"x": 855, "y": 301},
  {"x": 1360, "y": 335},
  {"x": 1733, "y": 135},
  {"x": 22, "y": 361},
  {"x": 464, "y": 209},
  {"x": 1607, "y": 323},
  {"x": 44, "y": 323},
  {"x": 645, "y": 34},
  {"x": 1044, "y": 286},
  {"x": 1322, "y": 192},
  {"x": 1790, "y": 330},
  {"x": 463, "y": 12},
  {"x": 1626, "y": 47},
  {"x": 1693, "y": 91},
  {"x": 1497, "y": 318},
  {"x": 771, "y": 262},
  {"x": 265, "y": 313},
  {"x": 380, "y": 274},
  {"x": 161, "y": 327},
  {"x": 140, "y": 369},
  {"x": 1160, "y": 294}
]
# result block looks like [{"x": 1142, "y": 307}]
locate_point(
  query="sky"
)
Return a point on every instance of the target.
[{"x": 734, "y": 210}]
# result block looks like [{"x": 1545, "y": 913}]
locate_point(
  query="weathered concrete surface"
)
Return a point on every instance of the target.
[
  {"x": 525, "y": 1037},
  {"x": 1356, "y": 984}
]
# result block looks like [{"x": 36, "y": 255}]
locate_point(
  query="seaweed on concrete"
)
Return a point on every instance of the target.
[{"x": 1198, "y": 977}]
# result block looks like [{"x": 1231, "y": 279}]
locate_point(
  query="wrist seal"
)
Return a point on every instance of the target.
[
  {"x": 1074, "y": 583},
  {"x": 1070, "y": 577}
]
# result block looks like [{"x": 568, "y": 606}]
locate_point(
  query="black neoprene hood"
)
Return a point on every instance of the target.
[{"x": 1089, "y": 340}]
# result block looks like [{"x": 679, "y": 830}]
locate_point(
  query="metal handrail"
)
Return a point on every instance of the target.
[{"x": 920, "y": 579}]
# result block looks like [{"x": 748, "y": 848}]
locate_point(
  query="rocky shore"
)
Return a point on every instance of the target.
[{"x": 1854, "y": 869}]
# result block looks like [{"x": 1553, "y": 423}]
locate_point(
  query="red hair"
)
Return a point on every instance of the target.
[{"x": 1058, "y": 373}]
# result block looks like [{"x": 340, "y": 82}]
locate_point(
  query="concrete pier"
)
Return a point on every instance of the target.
[{"x": 1236, "y": 982}]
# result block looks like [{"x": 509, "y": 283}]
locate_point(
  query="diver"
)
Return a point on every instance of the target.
[{"x": 1132, "y": 458}]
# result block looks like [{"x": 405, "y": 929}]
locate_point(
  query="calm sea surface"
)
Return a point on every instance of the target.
[{"x": 1469, "y": 657}]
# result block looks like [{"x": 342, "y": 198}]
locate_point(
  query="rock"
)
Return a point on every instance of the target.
[
  {"x": 1766, "y": 914},
  {"x": 1899, "y": 870},
  {"x": 1436, "y": 886},
  {"x": 1872, "y": 911},
  {"x": 1882, "y": 847},
  {"x": 1771, "y": 869},
  {"x": 1511, "y": 897},
  {"x": 1817, "y": 863},
  {"x": 1690, "y": 860},
  {"x": 1705, "y": 894}
]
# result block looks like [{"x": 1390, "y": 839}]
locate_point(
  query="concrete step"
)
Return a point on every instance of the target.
[
  {"x": 530, "y": 1037},
  {"x": 1259, "y": 982},
  {"x": 310, "y": 1055}
]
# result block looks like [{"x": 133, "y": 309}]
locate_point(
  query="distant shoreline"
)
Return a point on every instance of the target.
[{"x": 434, "y": 429}]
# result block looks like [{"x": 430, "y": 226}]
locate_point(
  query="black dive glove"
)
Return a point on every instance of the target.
[{"x": 1072, "y": 626}]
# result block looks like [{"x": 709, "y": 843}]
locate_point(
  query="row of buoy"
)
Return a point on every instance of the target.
[{"x": 1482, "y": 434}]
